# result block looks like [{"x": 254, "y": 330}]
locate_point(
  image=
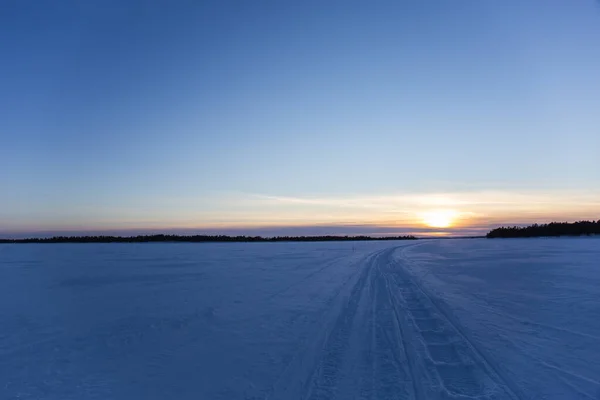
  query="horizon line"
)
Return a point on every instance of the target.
[{"x": 344, "y": 229}]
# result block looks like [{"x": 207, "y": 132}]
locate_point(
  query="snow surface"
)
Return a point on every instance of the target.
[{"x": 432, "y": 319}]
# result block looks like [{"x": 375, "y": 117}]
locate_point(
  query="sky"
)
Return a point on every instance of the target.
[{"x": 297, "y": 117}]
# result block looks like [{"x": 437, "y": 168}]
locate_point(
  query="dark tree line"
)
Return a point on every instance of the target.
[
  {"x": 580, "y": 228},
  {"x": 199, "y": 239}
]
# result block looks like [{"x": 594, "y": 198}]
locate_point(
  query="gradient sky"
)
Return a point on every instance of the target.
[{"x": 350, "y": 116}]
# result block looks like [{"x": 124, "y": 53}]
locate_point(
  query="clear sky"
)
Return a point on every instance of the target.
[{"x": 337, "y": 116}]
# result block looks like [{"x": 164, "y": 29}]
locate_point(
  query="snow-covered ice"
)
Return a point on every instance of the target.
[{"x": 430, "y": 319}]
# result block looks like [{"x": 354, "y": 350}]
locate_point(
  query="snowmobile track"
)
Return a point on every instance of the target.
[
  {"x": 324, "y": 381},
  {"x": 462, "y": 370}
]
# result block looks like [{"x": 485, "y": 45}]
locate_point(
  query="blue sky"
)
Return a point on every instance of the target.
[{"x": 133, "y": 115}]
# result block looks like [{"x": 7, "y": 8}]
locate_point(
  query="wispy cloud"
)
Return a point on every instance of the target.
[
  {"x": 471, "y": 208},
  {"x": 446, "y": 199},
  {"x": 397, "y": 213}
]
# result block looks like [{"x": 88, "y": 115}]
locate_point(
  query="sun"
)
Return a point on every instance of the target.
[{"x": 439, "y": 218}]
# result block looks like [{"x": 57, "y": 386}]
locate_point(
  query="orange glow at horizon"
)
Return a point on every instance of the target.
[{"x": 436, "y": 212}]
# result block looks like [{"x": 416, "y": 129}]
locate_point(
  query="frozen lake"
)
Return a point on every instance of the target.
[{"x": 431, "y": 319}]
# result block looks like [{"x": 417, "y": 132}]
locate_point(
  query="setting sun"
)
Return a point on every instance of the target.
[{"x": 439, "y": 218}]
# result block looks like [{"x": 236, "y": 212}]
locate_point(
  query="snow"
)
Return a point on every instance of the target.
[
  {"x": 529, "y": 306},
  {"x": 431, "y": 319}
]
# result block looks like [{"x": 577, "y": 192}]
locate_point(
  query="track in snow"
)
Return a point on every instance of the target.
[
  {"x": 460, "y": 319},
  {"x": 391, "y": 340},
  {"x": 455, "y": 366}
]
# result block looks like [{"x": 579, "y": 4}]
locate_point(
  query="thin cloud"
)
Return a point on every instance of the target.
[
  {"x": 473, "y": 211},
  {"x": 474, "y": 208},
  {"x": 521, "y": 199}
]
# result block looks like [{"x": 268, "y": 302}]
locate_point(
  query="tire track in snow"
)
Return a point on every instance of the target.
[
  {"x": 462, "y": 370},
  {"x": 373, "y": 362},
  {"x": 296, "y": 377},
  {"x": 393, "y": 366},
  {"x": 389, "y": 340},
  {"x": 385, "y": 371},
  {"x": 367, "y": 378},
  {"x": 323, "y": 383}
]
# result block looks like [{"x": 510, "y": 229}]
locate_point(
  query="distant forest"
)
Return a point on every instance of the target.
[
  {"x": 199, "y": 239},
  {"x": 580, "y": 228}
]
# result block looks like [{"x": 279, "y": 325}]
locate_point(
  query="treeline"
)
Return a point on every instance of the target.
[
  {"x": 199, "y": 239},
  {"x": 580, "y": 228}
]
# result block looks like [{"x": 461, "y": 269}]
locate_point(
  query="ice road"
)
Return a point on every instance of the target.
[{"x": 429, "y": 319}]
